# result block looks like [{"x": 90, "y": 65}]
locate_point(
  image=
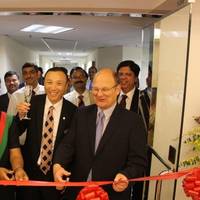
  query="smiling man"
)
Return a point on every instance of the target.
[
  {"x": 105, "y": 142},
  {"x": 30, "y": 76},
  {"x": 80, "y": 96},
  {"x": 50, "y": 118}
]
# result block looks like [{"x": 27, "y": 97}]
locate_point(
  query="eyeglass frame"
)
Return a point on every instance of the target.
[{"x": 104, "y": 90}]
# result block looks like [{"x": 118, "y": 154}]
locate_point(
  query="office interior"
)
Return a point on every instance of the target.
[{"x": 151, "y": 32}]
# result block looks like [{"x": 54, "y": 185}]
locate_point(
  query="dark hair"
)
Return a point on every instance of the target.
[
  {"x": 57, "y": 69},
  {"x": 10, "y": 73},
  {"x": 40, "y": 69},
  {"x": 26, "y": 65},
  {"x": 131, "y": 64},
  {"x": 93, "y": 67},
  {"x": 76, "y": 69}
]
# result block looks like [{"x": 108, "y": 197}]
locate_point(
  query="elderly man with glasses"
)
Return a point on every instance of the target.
[{"x": 105, "y": 142}]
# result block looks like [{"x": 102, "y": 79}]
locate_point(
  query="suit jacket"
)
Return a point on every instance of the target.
[
  {"x": 4, "y": 100},
  {"x": 121, "y": 149},
  {"x": 140, "y": 104},
  {"x": 34, "y": 128}
]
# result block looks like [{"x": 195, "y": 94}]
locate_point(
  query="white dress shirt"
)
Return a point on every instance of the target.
[
  {"x": 18, "y": 97},
  {"x": 56, "y": 116},
  {"x": 107, "y": 112},
  {"x": 73, "y": 97}
]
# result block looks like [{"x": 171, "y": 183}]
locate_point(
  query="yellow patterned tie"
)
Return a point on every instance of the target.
[{"x": 47, "y": 142}]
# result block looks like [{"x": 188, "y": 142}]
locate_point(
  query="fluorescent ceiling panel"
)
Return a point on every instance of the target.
[{"x": 39, "y": 28}]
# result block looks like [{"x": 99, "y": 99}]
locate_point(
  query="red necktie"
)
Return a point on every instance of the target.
[
  {"x": 81, "y": 102},
  {"x": 123, "y": 101}
]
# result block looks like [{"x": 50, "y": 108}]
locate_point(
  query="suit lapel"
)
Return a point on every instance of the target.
[
  {"x": 40, "y": 115},
  {"x": 63, "y": 122},
  {"x": 92, "y": 129},
  {"x": 135, "y": 101}
]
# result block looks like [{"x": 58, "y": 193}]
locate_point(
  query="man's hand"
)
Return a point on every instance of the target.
[
  {"x": 20, "y": 174},
  {"x": 120, "y": 183},
  {"x": 22, "y": 109},
  {"x": 59, "y": 173},
  {"x": 6, "y": 174}
]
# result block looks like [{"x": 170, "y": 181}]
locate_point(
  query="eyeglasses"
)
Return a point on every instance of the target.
[{"x": 104, "y": 90}]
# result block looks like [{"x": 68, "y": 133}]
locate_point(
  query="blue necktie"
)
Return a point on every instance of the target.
[
  {"x": 99, "y": 134},
  {"x": 99, "y": 128}
]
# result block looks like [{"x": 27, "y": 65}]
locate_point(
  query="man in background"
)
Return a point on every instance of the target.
[
  {"x": 130, "y": 99},
  {"x": 30, "y": 76},
  {"x": 11, "y": 79},
  {"x": 80, "y": 96},
  {"x": 40, "y": 76},
  {"x": 91, "y": 72}
]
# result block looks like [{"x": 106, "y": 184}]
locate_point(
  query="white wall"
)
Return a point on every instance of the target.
[
  {"x": 109, "y": 56},
  {"x": 136, "y": 54},
  {"x": 12, "y": 56}
]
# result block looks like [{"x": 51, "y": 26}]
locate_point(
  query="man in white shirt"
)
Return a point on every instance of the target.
[
  {"x": 80, "y": 96},
  {"x": 30, "y": 76},
  {"x": 50, "y": 118}
]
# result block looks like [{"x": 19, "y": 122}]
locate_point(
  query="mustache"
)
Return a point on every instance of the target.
[{"x": 79, "y": 82}]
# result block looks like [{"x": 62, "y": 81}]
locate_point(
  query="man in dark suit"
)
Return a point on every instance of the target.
[
  {"x": 50, "y": 118},
  {"x": 133, "y": 99},
  {"x": 111, "y": 147},
  {"x": 11, "y": 80}
]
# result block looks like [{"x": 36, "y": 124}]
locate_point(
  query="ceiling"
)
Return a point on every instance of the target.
[{"x": 92, "y": 29}]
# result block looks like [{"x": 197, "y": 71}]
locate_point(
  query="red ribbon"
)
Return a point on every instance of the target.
[
  {"x": 191, "y": 183},
  {"x": 93, "y": 192},
  {"x": 167, "y": 176}
]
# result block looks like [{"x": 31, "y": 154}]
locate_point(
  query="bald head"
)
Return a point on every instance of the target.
[
  {"x": 105, "y": 88},
  {"x": 106, "y": 73}
]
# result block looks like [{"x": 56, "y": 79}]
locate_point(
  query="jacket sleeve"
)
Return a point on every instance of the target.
[{"x": 137, "y": 155}]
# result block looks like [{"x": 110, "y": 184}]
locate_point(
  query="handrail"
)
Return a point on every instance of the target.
[{"x": 153, "y": 151}]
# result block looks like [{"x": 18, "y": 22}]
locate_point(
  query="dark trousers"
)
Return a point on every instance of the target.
[
  {"x": 7, "y": 192},
  {"x": 137, "y": 191},
  {"x": 38, "y": 193}
]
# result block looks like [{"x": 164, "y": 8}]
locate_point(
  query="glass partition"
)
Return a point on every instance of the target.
[{"x": 169, "y": 77}]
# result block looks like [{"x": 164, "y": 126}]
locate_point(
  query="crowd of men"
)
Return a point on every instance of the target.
[{"x": 74, "y": 128}]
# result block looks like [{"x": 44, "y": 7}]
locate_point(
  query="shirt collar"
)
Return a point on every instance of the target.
[
  {"x": 107, "y": 112},
  {"x": 129, "y": 94},
  {"x": 56, "y": 105},
  {"x": 37, "y": 88},
  {"x": 77, "y": 94}
]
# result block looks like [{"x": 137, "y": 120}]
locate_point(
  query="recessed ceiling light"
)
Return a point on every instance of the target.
[{"x": 39, "y": 28}]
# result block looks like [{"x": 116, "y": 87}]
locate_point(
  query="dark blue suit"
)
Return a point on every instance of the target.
[{"x": 121, "y": 149}]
